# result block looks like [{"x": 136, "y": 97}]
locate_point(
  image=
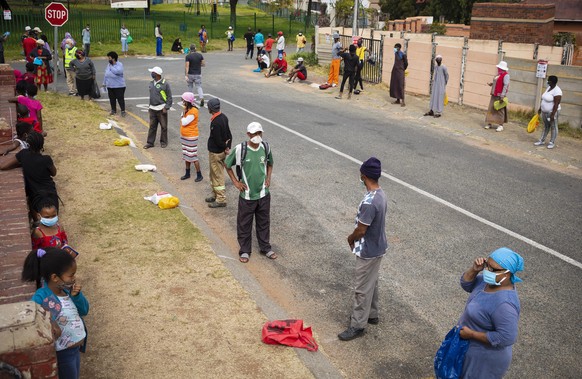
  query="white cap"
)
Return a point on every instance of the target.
[
  {"x": 503, "y": 65},
  {"x": 254, "y": 127},
  {"x": 37, "y": 29},
  {"x": 157, "y": 70},
  {"x": 27, "y": 29},
  {"x": 300, "y": 59},
  {"x": 39, "y": 42}
]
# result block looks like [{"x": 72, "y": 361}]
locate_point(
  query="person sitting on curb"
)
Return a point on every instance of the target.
[
  {"x": 298, "y": 72},
  {"x": 279, "y": 67},
  {"x": 262, "y": 61}
]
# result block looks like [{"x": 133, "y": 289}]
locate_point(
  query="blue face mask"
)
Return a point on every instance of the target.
[
  {"x": 395, "y": 49},
  {"x": 49, "y": 221},
  {"x": 489, "y": 277}
]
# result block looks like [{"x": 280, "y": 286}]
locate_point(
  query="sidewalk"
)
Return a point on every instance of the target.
[{"x": 467, "y": 124}]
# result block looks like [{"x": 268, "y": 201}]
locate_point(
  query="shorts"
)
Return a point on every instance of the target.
[{"x": 301, "y": 76}]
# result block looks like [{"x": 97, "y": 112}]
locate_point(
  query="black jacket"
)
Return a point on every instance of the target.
[{"x": 220, "y": 136}]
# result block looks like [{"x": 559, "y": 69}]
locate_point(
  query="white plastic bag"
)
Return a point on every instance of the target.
[
  {"x": 156, "y": 197},
  {"x": 145, "y": 167},
  {"x": 104, "y": 126}
]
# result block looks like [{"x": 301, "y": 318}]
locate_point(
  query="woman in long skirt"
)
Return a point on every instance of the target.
[
  {"x": 499, "y": 88},
  {"x": 41, "y": 57},
  {"x": 189, "y": 135},
  {"x": 84, "y": 74}
]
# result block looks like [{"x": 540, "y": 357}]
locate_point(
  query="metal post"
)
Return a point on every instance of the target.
[
  {"x": 405, "y": 48},
  {"x": 463, "y": 67},
  {"x": 56, "y": 56},
  {"x": 500, "y": 50},
  {"x": 355, "y": 19},
  {"x": 536, "y": 50},
  {"x": 273, "y": 24}
]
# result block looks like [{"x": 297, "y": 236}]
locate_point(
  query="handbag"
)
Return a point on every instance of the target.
[
  {"x": 129, "y": 39},
  {"x": 95, "y": 92},
  {"x": 37, "y": 61},
  {"x": 533, "y": 123},
  {"x": 449, "y": 359},
  {"x": 446, "y": 99},
  {"x": 500, "y": 104}
]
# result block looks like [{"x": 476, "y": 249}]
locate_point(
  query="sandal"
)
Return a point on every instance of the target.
[
  {"x": 271, "y": 254},
  {"x": 244, "y": 258}
]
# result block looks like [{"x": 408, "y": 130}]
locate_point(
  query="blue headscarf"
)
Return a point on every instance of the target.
[{"x": 509, "y": 260}]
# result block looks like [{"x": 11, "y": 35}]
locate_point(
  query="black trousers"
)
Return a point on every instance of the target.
[
  {"x": 358, "y": 78},
  {"x": 158, "y": 117},
  {"x": 260, "y": 210},
  {"x": 250, "y": 50},
  {"x": 116, "y": 95},
  {"x": 350, "y": 76}
]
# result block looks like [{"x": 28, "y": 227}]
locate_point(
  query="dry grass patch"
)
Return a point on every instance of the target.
[{"x": 162, "y": 304}]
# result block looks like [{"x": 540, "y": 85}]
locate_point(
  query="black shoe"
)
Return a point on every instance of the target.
[
  {"x": 112, "y": 113},
  {"x": 163, "y": 145},
  {"x": 187, "y": 176},
  {"x": 210, "y": 199},
  {"x": 198, "y": 179},
  {"x": 374, "y": 321},
  {"x": 351, "y": 333},
  {"x": 216, "y": 205},
  {"x": 148, "y": 146},
  {"x": 201, "y": 102},
  {"x": 123, "y": 113}
]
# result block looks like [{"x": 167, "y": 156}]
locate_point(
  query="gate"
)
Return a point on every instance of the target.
[{"x": 372, "y": 71}]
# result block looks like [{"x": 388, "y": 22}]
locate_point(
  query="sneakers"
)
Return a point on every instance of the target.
[
  {"x": 488, "y": 126},
  {"x": 257, "y": 70},
  {"x": 123, "y": 113},
  {"x": 351, "y": 333},
  {"x": 499, "y": 128},
  {"x": 539, "y": 143},
  {"x": 201, "y": 102},
  {"x": 334, "y": 85},
  {"x": 374, "y": 321},
  {"x": 210, "y": 199},
  {"x": 550, "y": 145}
]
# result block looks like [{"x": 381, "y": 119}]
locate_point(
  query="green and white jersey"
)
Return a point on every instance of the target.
[{"x": 254, "y": 170}]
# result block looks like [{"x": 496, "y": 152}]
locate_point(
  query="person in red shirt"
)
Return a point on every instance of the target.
[
  {"x": 23, "y": 115},
  {"x": 28, "y": 44},
  {"x": 29, "y": 76},
  {"x": 279, "y": 67},
  {"x": 269, "y": 45},
  {"x": 49, "y": 233}
]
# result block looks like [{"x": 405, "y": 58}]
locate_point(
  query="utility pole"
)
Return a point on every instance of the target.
[{"x": 355, "y": 19}]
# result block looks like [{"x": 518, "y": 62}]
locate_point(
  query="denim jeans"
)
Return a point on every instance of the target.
[
  {"x": 69, "y": 363},
  {"x": 158, "y": 46}
]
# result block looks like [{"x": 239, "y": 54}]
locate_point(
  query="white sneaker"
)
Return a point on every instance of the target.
[
  {"x": 499, "y": 128},
  {"x": 488, "y": 126},
  {"x": 334, "y": 85},
  {"x": 539, "y": 143},
  {"x": 550, "y": 145}
]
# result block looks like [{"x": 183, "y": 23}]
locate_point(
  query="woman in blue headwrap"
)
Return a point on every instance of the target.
[{"x": 491, "y": 314}]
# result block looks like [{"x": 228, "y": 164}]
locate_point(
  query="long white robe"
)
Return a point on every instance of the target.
[{"x": 440, "y": 80}]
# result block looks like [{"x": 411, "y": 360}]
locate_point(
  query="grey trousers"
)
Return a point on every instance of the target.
[
  {"x": 161, "y": 118},
  {"x": 195, "y": 80},
  {"x": 260, "y": 210},
  {"x": 366, "y": 296}
]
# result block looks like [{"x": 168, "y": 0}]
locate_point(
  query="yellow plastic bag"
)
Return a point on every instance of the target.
[
  {"x": 121, "y": 142},
  {"x": 533, "y": 123},
  {"x": 169, "y": 202},
  {"x": 446, "y": 99},
  {"x": 500, "y": 104},
  {"x": 405, "y": 73}
]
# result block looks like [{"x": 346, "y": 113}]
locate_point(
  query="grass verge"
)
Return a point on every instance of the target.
[{"x": 162, "y": 304}]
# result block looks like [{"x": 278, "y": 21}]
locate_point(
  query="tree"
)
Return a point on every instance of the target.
[
  {"x": 398, "y": 9},
  {"x": 233, "y": 4},
  {"x": 343, "y": 10}
]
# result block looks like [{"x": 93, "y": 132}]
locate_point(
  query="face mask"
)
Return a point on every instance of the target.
[
  {"x": 68, "y": 46},
  {"x": 362, "y": 181},
  {"x": 489, "y": 277},
  {"x": 395, "y": 49},
  {"x": 256, "y": 139},
  {"x": 49, "y": 221},
  {"x": 111, "y": 61},
  {"x": 153, "y": 76}
]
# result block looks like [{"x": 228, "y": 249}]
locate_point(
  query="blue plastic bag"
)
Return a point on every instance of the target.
[{"x": 448, "y": 361}]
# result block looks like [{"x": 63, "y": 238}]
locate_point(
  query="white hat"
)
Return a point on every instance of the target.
[
  {"x": 336, "y": 35},
  {"x": 230, "y": 28},
  {"x": 254, "y": 127},
  {"x": 438, "y": 56},
  {"x": 37, "y": 29},
  {"x": 39, "y": 42},
  {"x": 503, "y": 65},
  {"x": 157, "y": 70},
  {"x": 27, "y": 29},
  {"x": 300, "y": 59}
]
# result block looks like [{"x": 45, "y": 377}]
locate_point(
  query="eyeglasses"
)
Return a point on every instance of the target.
[{"x": 489, "y": 268}]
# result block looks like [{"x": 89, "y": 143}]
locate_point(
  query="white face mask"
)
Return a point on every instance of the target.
[{"x": 256, "y": 140}]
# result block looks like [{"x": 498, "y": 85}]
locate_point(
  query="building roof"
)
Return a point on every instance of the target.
[{"x": 566, "y": 10}]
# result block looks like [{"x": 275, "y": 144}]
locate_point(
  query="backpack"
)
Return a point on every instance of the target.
[{"x": 241, "y": 154}]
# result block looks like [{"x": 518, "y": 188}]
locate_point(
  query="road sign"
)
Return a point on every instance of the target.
[{"x": 56, "y": 14}]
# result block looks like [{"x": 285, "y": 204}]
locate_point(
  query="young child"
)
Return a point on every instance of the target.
[
  {"x": 61, "y": 296},
  {"x": 49, "y": 233},
  {"x": 23, "y": 129},
  {"x": 23, "y": 115},
  {"x": 26, "y": 96},
  {"x": 189, "y": 135},
  {"x": 30, "y": 74}
]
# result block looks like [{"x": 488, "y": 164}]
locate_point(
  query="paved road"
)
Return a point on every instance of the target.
[{"x": 474, "y": 202}]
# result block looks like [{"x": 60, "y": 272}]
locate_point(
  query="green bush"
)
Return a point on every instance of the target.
[
  {"x": 440, "y": 29},
  {"x": 310, "y": 59}
]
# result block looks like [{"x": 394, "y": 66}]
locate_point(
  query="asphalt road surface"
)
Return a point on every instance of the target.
[{"x": 449, "y": 202}]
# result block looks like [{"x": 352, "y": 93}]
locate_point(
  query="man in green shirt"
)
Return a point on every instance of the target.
[{"x": 254, "y": 163}]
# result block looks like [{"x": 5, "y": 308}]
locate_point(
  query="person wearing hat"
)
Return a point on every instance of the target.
[
  {"x": 160, "y": 104},
  {"x": 193, "y": 69},
  {"x": 40, "y": 58},
  {"x": 280, "y": 43},
  {"x": 84, "y": 74},
  {"x": 219, "y": 142},
  {"x": 189, "y": 135},
  {"x": 334, "y": 67},
  {"x": 159, "y": 39},
  {"x": 491, "y": 316},
  {"x": 398, "y": 74},
  {"x": 439, "y": 88},
  {"x": 269, "y": 45},
  {"x": 301, "y": 41},
  {"x": 499, "y": 87},
  {"x": 28, "y": 44},
  {"x": 86, "y": 35},
  {"x": 26, "y": 33},
  {"x": 230, "y": 37},
  {"x": 298, "y": 72},
  {"x": 36, "y": 32},
  {"x": 254, "y": 162},
  {"x": 368, "y": 243},
  {"x": 279, "y": 67}
]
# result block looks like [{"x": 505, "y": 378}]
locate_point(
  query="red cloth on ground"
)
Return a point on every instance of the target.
[{"x": 289, "y": 333}]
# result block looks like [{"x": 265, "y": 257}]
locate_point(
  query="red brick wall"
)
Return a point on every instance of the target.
[
  {"x": 521, "y": 23},
  {"x": 39, "y": 362},
  {"x": 7, "y": 85}
]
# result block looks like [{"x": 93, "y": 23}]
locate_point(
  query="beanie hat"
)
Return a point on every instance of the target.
[
  {"x": 372, "y": 168},
  {"x": 214, "y": 105}
]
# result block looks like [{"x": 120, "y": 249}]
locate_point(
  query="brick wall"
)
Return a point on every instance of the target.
[
  {"x": 7, "y": 86},
  {"x": 522, "y": 23}
]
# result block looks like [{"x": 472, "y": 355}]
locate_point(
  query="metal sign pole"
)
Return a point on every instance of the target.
[{"x": 56, "y": 57}]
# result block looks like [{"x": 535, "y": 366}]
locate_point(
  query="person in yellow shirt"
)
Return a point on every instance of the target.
[
  {"x": 301, "y": 41},
  {"x": 361, "y": 52},
  {"x": 189, "y": 135}
]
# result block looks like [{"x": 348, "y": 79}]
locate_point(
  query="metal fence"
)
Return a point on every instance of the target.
[{"x": 372, "y": 70}]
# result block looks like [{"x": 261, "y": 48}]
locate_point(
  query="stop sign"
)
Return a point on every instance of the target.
[{"x": 56, "y": 14}]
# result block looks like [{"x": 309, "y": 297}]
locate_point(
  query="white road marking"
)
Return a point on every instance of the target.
[
  {"x": 418, "y": 190},
  {"x": 405, "y": 184}
]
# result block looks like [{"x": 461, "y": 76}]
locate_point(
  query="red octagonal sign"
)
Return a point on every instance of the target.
[{"x": 56, "y": 14}]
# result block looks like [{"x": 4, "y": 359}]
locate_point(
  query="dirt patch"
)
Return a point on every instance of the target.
[{"x": 162, "y": 304}]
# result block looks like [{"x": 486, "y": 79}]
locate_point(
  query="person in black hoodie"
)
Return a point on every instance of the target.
[
  {"x": 219, "y": 143},
  {"x": 351, "y": 62}
]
